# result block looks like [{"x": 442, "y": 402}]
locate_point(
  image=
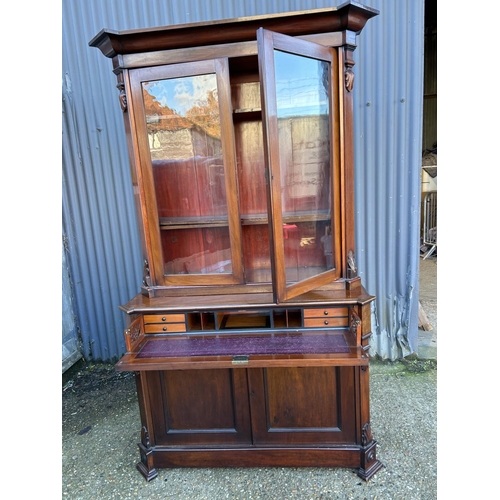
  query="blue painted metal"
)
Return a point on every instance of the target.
[
  {"x": 99, "y": 219},
  {"x": 71, "y": 351}
]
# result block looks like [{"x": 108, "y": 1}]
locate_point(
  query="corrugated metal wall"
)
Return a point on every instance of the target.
[{"x": 99, "y": 219}]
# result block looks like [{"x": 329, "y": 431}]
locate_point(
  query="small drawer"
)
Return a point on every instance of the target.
[
  {"x": 164, "y": 318},
  {"x": 324, "y": 322},
  {"x": 326, "y": 312},
  {"x": 165, "y": 328}
]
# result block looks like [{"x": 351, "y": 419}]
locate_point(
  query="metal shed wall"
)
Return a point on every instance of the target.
[{"x": 99, "y": 219}]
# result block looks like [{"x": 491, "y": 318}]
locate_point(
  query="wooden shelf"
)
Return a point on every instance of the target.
[
  {"x": 192, "y": 222},
  {"x": 247, "y": 115},
  {"x": 246, "y": 220}
]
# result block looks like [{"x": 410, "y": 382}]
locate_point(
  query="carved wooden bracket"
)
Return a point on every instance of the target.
[
  {"x": 355, "y": 322},
  {"x": 351, "y": 264},
  {"x": 122, "y": 97},
  {"x": 145, "y": 437},
  {"x": 349, "y": 79},
  {"x": 348, "y": 72},
  {"x": 146, "y": 280},
  {"x": 366, "y": 435}
]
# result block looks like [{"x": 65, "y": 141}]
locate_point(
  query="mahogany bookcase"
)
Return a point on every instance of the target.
[{"x": 249, "y": 338}]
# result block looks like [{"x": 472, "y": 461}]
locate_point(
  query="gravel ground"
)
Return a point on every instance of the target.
[{"x": 100, "y": 423}]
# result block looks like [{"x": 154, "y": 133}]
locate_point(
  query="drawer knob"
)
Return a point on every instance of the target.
[
  {"x": 164, "y": 328},
  {"x": 163, "y": 319},
  {"x": 326, "y": 313},
  {"x": 326, "y": 322}
]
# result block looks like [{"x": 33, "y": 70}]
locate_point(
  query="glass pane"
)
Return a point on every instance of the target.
[
  {"x": 304, "y": 147},
  {"x": 182, "y": 117}
]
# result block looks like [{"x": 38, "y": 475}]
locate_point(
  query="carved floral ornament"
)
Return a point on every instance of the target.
[{"x": 134, "y": 332}]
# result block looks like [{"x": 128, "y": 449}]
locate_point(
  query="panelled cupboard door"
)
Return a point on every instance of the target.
[
  {"x": 303, "y": 405},
  {"x": 186, "y": 161},
  {"x": 300, "y": 122},
  {"x": 199, "y": 407}
]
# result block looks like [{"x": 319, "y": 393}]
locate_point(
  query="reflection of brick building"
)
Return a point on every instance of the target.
[{"x": 172, "y": 136}]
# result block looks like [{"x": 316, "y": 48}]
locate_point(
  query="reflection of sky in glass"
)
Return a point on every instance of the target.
[
  {"x": 300, "y": 86},
  {"x": 180, "y": 94}
]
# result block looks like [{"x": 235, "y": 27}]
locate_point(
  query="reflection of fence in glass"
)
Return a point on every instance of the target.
[
  {"x": 301, "y": 85},
  {"x": 305, "y": 149}
]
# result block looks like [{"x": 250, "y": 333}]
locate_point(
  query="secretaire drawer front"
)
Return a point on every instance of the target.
[
  {"x": 319, "y": 312},
  {"x": 322, "y": 322},
  {"x": 164, "y": 318},
  {"x": 165, "y": 328},
  {"x": 330, "y": 317}
]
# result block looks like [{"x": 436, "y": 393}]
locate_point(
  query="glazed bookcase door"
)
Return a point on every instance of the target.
[
  {"x": 186, "y": 154},
  {"x": 301, "y": 152}
]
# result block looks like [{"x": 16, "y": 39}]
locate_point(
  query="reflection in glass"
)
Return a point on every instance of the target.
[
  {"x": 304, "y": 148},
  {"x": 183, "y": 125}
]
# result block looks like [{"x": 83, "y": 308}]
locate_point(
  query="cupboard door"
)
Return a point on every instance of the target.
[
  {"x": 299, "y": 108},
  {"x": 185, "y": 144},
  {"x": 302, "y": 405},
  {"x": 198, "y": 407}
]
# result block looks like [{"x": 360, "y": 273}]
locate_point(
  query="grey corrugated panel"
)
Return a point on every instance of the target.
[
  {"x": 99, "y": 211},
  {"x": 388, "y": 138},
  {"x": 70, "y": 343},
  {"x": 99, "y": 216}
]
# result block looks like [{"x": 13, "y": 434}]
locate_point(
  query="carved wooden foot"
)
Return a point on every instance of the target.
[
  {"x": 369, "y": 463},
  {"x": 145, "y": 466}
]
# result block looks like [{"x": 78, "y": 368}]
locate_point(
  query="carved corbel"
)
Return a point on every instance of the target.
[
  {"x": 349, "y": 77},
  {"x": 145, "y": 437},
  {"x": 146, "y": 280},
  {"x": 355, "y": 322},
  {"x": 351, "y": 265},
  {"x": 122, "y": 97},
  {"x": 348, "y": 65},
  {"x": 366, "y": 435}
]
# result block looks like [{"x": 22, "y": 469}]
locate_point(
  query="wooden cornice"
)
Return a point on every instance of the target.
[{"x": 350, "y": 16}]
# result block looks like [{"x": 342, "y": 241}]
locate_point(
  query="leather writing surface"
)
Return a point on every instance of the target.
[{"x": 244, "y": 345}]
